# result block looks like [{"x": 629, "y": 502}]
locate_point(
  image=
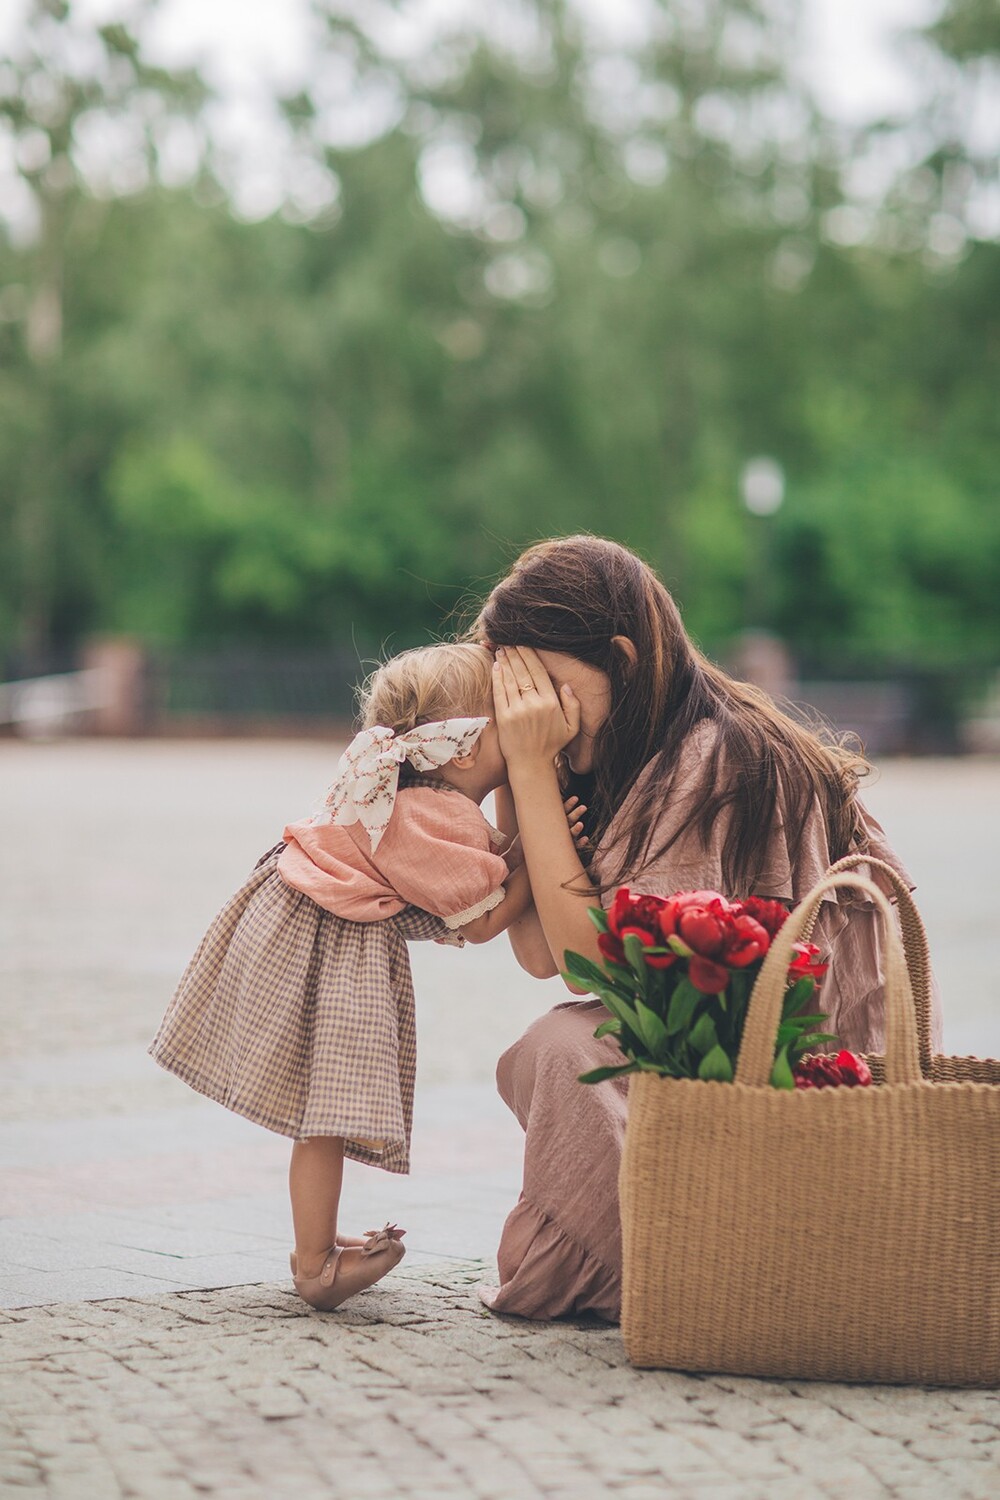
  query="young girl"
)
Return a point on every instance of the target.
[{"x": 297, "y": 1009}]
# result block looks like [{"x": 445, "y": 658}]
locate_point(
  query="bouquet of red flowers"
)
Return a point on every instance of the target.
[{"x": 677, "y": 976}]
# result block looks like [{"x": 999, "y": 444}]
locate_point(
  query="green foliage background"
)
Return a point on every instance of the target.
[{"x": 305, "y": 429}]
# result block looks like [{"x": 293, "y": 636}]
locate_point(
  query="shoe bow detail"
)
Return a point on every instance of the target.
[{"x": 381, "y": 1239}]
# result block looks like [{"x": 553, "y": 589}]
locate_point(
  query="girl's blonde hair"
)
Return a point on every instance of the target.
[{"x": 447, "y": 681}]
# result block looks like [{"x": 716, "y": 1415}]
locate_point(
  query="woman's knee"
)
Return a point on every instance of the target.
[{"x": 553, "y": 1043}]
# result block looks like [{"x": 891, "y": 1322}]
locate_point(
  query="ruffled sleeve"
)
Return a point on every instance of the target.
[{"x": 439, "y": 853}]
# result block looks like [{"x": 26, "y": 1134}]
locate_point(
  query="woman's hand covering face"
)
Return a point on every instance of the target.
[{"x": 533, "y": 720}]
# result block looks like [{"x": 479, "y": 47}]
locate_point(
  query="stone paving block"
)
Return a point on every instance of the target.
[
  {"x": 39, "y": 1288},
  {"x": 188, "y": 1240},
  {"x": 968, "y": 1470},
  {"x": 252, "y": 1394},
  {"x": 792, "y": 1486},
  {"x": 26, "y": 1251}
]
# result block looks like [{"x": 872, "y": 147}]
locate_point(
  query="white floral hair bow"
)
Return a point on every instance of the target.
[{"x": 368, "y": 771}]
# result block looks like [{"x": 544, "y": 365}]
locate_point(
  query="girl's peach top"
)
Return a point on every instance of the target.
[{"x": 438, "y": 853}]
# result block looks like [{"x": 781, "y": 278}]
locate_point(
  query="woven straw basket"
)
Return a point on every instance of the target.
[{"x": 830, "y": 1234}]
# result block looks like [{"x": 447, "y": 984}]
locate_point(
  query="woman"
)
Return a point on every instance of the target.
[{"x": 695, "y": 781}]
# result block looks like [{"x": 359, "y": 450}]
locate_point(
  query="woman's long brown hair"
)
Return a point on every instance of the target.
[{"x": 574, "y": 594}]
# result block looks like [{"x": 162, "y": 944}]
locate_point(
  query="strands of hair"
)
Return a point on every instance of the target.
[
  {"x": 428, "y": 683},
  {"x": 574, "y": 594}
]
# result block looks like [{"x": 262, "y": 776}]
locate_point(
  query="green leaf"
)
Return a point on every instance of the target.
[
  {"x": 600, "y": 984},
  {"x": 623, "y": 1012},
  {"x": 652, "y": 1029},
  {"x": 683, "y": 1004},
  {"x": 677, "y": 945},
  {"x": 795, "y": 1027},
  {"x": 715, "y": 1066},
  {"x": 584, "y": 969},
  {"x": 703, "y": 1034},
  {"x": 781, "y": 1073},
  {"x": 598, "y": 1075},
  {"x": 797, "y": 996},
  {"x": 599, "y": 917},
  {"x": 814, "y": 1039},
  {"x": 635, "y": 953},
  {"x": 585, "y": 972},
  {"x": 602, "y": 991},
  {"x": 620, "y": 979},
  {"x": 609, "y": 1028},
  {"x": 741, "y": 982},
  {"x": 803, "y": 1023}
]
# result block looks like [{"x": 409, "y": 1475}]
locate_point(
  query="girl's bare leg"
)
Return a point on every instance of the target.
[{"x": 315, "y": 1175}]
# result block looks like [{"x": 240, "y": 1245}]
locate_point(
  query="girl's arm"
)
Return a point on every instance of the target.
[
  {"x": 527, "y": 938},
  {"x": 534, "y": 725},
  {"x": 511, "y": 909}
]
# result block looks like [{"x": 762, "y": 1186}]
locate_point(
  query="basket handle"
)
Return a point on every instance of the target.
[
  {"x": 902, "y": 1056},
  {"x": 915, "y": 946}
]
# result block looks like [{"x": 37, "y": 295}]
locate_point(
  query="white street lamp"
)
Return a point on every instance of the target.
[{"x": 762, "y": 485}]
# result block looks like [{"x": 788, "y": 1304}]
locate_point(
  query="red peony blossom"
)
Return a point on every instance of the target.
[
  {"x": 698, "y": 918},
  {"x": 716, "y": 947},
  {"x": 745, "y": 941},
  {"x": 619, "y": 910},
  {"x": 649, "y": 940},
  {"x": 771, "y": 915},
  {"x": 630, "y": 907},
  {"x": 646, "y": 911},
  {"x": 702, "y": 930},
  {"x": 611, "y": 947},
  {"x": 667, "y": 921},
  {"x": 846, "y": 1069},
  {"x": 804, "y": 965},
  {"x": 854, "y": 1068},
  {"x": 707, "y": 976}
]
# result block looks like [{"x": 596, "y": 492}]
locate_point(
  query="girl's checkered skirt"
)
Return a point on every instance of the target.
[{"x": 300, "y": 1020}]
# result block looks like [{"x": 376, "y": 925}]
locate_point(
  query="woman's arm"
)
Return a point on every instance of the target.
[
  {"x": 525, "y": 933},
  {"x": 534, "y": 725}
]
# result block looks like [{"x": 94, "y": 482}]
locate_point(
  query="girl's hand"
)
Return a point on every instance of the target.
[
  {"x": 574, "y": 810},
  {"x": 534, "y": 722}
]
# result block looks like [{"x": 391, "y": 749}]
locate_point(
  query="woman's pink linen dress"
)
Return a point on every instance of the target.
[{"x": 560, "y": 1252}]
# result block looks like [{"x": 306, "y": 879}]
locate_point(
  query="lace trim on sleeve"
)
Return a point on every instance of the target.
[{"x": 479, "y": 910}]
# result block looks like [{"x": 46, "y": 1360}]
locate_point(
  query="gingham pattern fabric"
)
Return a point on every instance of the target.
[{"x": 301, "y": 1021}]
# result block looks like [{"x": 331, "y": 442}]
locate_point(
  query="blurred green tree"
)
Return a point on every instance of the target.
[
  {"x": 80, "y": 109},
  {"x": 556, "y": 286}
]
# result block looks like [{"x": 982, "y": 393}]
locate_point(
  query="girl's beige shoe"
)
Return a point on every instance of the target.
[{"x": 381, "y": 1251}]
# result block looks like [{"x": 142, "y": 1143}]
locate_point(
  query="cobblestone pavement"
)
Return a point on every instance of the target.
[
  {"x": 415, "y": 1392},
  {"x": 152, "y": 1347}
]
